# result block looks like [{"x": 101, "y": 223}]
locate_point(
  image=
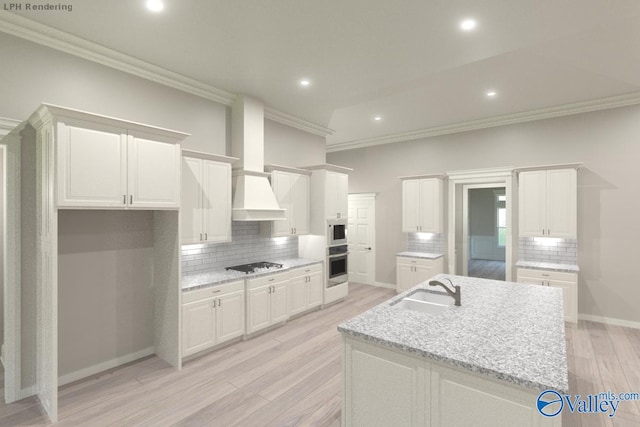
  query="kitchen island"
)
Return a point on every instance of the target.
[{"x": 483, "y": 363}]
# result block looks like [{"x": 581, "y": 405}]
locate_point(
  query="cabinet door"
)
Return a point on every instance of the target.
[
  {"x": 297, "y": 295},
  {"x": 279, "y": 308},
  {"x": 405, "y": 277},
  {"x": 532, "y": 203},
  {"x": 154, "y": 174},
  {"x": 314, "y": 289},
  {"x": 423, "y": 273},
  {"x": 91, "y": 167},
  {"x": 198, "y": 326},
  {"x": 569, "y": 299},
  {"x": 230, "y": 316},
  {"x": 258, "y": 308},
  {"x": 216, "y": 201},
  {"x": 410, "y": 205},
  {"x": 430, "y": 218},
  {"x": 281, "y": 184},
  {"x": 191, "y": 209},
  {"x": 331, "y": 195},
  {"x": 300, "y": 204},
  {"x": 343, "y": 195},
  {"x": 561, "y": 203}
]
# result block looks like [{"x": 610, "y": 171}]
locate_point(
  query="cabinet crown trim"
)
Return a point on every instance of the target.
[
  {"x": 434, "y": 175},
  {"x": 328, "y": 167},
  {"x": 209, "y": 156},
  {"x": 47, "y": 112},
  {"x": 575, "y": 166},
  {"x": 271, "y": 168}
]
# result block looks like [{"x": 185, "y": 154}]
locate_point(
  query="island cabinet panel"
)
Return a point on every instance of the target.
[
  {"x": 383, "y": 388},
  {"x": 464, "y": 399}
]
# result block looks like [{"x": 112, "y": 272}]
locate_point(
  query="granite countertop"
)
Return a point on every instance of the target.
[
  {"x": 425, "y": 255},
  {"x": 567, "y": 268},
  {"x": 508, "y": 331},
  {"x": 222, "y": 276}
]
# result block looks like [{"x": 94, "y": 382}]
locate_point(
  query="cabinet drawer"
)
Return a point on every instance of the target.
[
  {"x": 547, "y": 275},
  {"x": 418, "y": 261},
  {"x": 213, "y": 291},
  {"x": 309, "y": 269},
  {"x": 267, "y": 280}
]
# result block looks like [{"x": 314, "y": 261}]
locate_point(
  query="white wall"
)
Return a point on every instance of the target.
[
  {"x": 608, "y": 201},
  {"x": 32, "y": 74},
  {"x": 2, "y": 181},
  {"x": 287, "y": 146}
]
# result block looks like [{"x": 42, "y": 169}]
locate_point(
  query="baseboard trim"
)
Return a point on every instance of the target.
[
  {"x": 384, "y": 285},
  {"x": 101, "y": 367},
  {"x": 610, "y": 321},
  {"x": 27, "y": 392}
]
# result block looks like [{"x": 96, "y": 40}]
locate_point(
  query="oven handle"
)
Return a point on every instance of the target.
[{"x": 337, "y": 255}]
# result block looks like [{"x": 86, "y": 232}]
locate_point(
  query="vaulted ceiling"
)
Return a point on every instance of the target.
[{"x": 405, "y": 61}]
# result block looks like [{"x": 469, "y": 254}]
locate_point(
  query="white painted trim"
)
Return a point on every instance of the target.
[
  {"x": 499, "y": 177},
  {"x": 59, "y": 40},
  {"x": 363, "y": 196},
  {"x": 610, "y": 321},
  {"x": 209, "y": 156},
  {"x": 7, "y": 125},
  {"x": 384, "y": 285},
  {"x": 503, "y": 120},
  {"x": 296, "y": 122},
  {"x": 104, "y": 366}
]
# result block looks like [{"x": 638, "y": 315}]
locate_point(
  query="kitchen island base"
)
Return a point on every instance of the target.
[{"x": 383, "y": 387}]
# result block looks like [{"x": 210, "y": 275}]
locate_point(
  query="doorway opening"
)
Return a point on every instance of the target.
[
  {"x": 361, "y": 237},
  {"x": 463, "y": 247},
  {"x": 486, "y": 236}
]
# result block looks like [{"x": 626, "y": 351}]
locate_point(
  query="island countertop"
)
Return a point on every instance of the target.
[{"x": 508, "y": 331}]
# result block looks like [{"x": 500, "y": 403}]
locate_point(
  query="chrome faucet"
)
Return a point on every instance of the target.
[{"x": 455, "y": 293}]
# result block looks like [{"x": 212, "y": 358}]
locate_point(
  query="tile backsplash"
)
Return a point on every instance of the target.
[
  {"x": 544, "y": 249},
  {"x": 426, "y": 242},
  {"x": 247, "y": 246}
]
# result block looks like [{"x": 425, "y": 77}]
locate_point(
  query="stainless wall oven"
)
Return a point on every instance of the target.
[
  {"x": 337, "y": 265},
  {"x": 337, "y": 232}
]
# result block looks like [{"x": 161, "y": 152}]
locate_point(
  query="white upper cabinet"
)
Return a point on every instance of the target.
[
  {"x": 154, "y": 174},
  {"x": 291, "y": 188},
  {"x": 206, "y": 198},
  {"x": 329, "y": 189},
  {"x": 337, "y": 195},
  {"x": 547, "y": 203},
  {"x": 422, "y": 205},
  {"x": 106, "y": 163}
]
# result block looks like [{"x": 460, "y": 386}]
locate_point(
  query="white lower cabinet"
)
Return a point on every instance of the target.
[
  {"x": 212, "y": 316},
  {"x": 412, "y": 271},
  {"x": 305, "y": 289},
  {"x": 389, "y": 388},
  {"x": 267, "y": 301},
  {"x": 568, "y": 282}
]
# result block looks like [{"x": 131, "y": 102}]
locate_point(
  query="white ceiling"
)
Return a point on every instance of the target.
[{"x": 404, "y": 60}]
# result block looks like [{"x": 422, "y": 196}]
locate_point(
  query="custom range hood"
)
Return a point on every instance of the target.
[{"x": 253, "y": 198}]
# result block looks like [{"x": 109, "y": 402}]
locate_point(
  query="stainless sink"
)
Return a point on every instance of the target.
[{"x": 425, "y": 302}]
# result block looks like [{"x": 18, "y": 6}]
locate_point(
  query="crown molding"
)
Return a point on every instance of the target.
[
  {"x": 7, "y": 125},
  {"x": 44, "y": 35},
  {"x": 507, "y": 119},
  {"x": 295, "y": 122}
]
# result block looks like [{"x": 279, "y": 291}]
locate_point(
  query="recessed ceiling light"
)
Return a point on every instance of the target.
[
  {"x": 377, "y": 118},
  {"x": 155, "y": 5},
  {"x": 468, "y": 25},
  {"x": 492, "y": 94},
  {"x": 305, "y": 82}
]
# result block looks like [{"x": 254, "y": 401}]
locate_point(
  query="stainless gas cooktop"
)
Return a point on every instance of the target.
[{"x": 255, "y": 267}]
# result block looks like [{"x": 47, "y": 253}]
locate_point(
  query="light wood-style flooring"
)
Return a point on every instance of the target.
[
  {"x": 485, "y": 269},
  {"x": 291, "y": 377}
]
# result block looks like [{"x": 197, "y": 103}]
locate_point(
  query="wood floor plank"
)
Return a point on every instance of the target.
[{"x": 292, "y": 376}]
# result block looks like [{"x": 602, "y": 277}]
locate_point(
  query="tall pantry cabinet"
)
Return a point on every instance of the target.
[{"x": 81, "y": 161}]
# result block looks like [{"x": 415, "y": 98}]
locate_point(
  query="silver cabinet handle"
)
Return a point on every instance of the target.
[
  {"x": 543, "y": 231},
  {"x": 124, "y": 199},
  {"x": 131, "y": 199},
  {"x": 271, "y": 280},
  {"x": 219, "y": 302},
  {"x": 206, "y": 236},
  {"x": 201, "y": 236}
]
